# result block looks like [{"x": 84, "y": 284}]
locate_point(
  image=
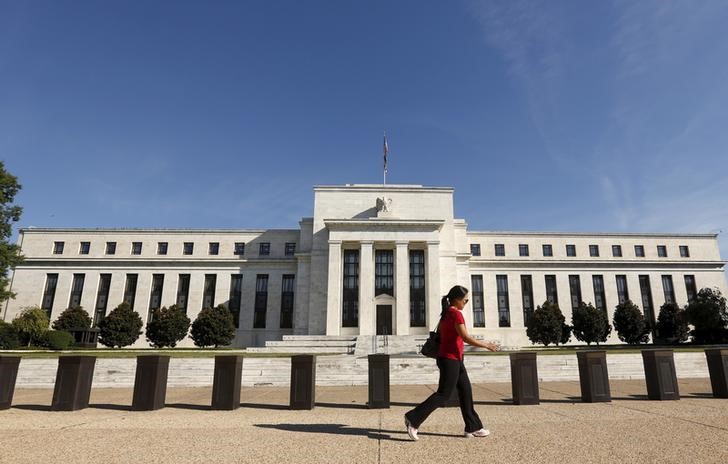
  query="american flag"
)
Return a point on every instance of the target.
[{"x": 386, "y": 152}]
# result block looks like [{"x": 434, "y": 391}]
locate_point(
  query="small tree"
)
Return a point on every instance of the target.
[
  {"x": 630, "y": 324},
  {"x": 672, "y": 324},
  {"x": 565, "y": 333},
  {"x": 167, "y": 327},
  {"x": 9, "y": 213},
  {"x": 121, "y": 327},
  {"x": 213, "y": 326},
  {"x": 74, "y": 318},
  {"x": 709, "y": 316},
  {"x": 31, "y": 324},
  {"x": 591, "y": 325},
  {"x": 8, "y": 337},
  {"x": 546, "y": 324}
]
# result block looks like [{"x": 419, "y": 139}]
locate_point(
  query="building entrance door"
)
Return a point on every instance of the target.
[{"x": 384, "y": 319}]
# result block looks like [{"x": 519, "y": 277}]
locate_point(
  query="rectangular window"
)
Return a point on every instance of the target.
[
  {"x": 668, "y": 289},
  {"x": 264, "y": 249},
  {"x": 290, "y": 249},
  {"x": 188, "y": 248},
  {"x": 548, "y": 250},
  {"x": 213, "y": 248},
  {"x": 475, "y": 249},
  {"x": 102, "y": 298},
  {"x": 617, "y": 251},
  {"x": 504, "y": 312},
  {"x": 478, "y": 304},
  {"x": 239, "y": 248},
  {"x": 691, "y": 288},
  {"x": 594, "y": 251},
  {"x": 684, "y": 251},
  {"x": 76, "y": 290},
  {"x": 236, "y": 297},
  {"x": 527, "y": 297},
  {"x": 136, "y": 248},
  {"x": 523, "y": 249},
  {"x": 287, "y": 301},
  {"x": 162, "y": 248},
  {"x": 570, "y": 250},
  {"x": 600, "y": 299},
  {"x": 183, "y": 291},
  {"x": 58, "y": 248},
  {"x": 646, "y": 293},
  {"x": 110, "y": 248},
  {"x": 208, "y": 293},
  {"x": 639, "y": 251},
  {"x": 552, "y": 294},
  {"x": 622, "y": 291},
  {"x": 85, "y": 248},
  {"x": 49, "y": 294},
  {"x": 261, "y": 301},
  {"x": 417, "y": 288},
  {"x": 575, "y": 290},
  {"x": 383, "y": 272},
  {"x": 155, "y": 297},
  {"x": 500, "y": 249},
  {"x": 130, "y": 289},
  {"x": 662, "y": 251},
  {"x": 350, "y": 308}
]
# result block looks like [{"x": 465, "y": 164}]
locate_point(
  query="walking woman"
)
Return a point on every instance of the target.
[{"x": 452, "y": 370}]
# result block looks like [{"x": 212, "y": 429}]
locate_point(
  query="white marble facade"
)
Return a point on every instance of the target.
[{"x": 364, "y": 218}]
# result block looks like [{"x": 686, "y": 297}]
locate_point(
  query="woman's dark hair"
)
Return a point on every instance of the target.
[{"x": 456, "y": 293}]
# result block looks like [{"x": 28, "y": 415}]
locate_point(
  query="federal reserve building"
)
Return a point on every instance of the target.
[{"x": 374, "y": 260}]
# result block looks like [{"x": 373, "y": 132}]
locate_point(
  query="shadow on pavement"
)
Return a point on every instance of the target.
[{"x": 341, "y": 429}]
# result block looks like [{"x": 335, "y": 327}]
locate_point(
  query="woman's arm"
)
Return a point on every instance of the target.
[{"x": 463, "y": 332}]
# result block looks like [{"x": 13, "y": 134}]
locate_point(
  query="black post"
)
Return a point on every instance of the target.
[
  {"x": 718, "y": 368},
  {"x": 303, "y": 381},
  {"x": 73, "y": 383},
  {"x": 226, "y": 382},
  {"x": 8, "y": 375},
  {"x": 593, "y": 376},
  {"x": 524, "y": 378},
  {"x": 660, "y": 375},
  {"x": 378, "y": 381},
  {"x": 150, "y": 383}
]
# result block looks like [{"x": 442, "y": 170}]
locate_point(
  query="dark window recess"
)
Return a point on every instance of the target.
[
  {"x": 504, "y": 312},
  {"x": 49, "y": 293},
  {"x": 552, "y": 294},
  {"x": 646, "y": 294},
  {"x": 691, "y": 288},
  {"x": 136, "y": 248},
  {"x": 570, "y": 250},
  {"x": 575, "y": 291},
  {"x": 662, "y": 251},
  {"x": 523, "y": 250},
  {"x": 418, "y": 306},
  {"x": 287, "y": 293},
  {"x": 58, "y": 248},
  {"x": 639, "y": 251},
  {"x": 668, "y": 289},
  {"x": 548, "y": 250},
  {"x": 183, "y": 291},
  {"x": 617, "y": 251},
  {"x": 261, "y": 301},
  {"x": 239, "y": 248},
  {"x": 290, "y": 249},
  {"x": 110, "y": 248},
  {"x": 162, "y": 248},
  {"x": 594, "y": 251},
  {"x": 208, "y": 294},
  {"x": 85, "y": 248},
  {"x": 76, "y": 290},
  {"x": 102, "y": 298},
  {"x": 236, "y": 297},
  {"x": 527, "y": 297},
  {"x": 213, "y": 248},
  {"x": 477, "y": 301},
  {"x": 383, "y": 272},
  {"x": 264, "y": 249},
  {"x": 188, "y": 248},
  {"x": 155, "y": 297},
  {"x": 350, "y": 297},
  {"x": 622, "y": 291},
  {"x": 500, "y": 249},
  {"x": 130, "y": 289},
  {"x": 600, "y": 299},
  {"x": 684, "y": 251},
  {"x": 475, "y": 249}
]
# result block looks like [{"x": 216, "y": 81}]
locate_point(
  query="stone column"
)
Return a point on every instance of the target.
[
  {"x": 366, "y": 289},
  {"x": 402, "y": 316},
  {"x": 333, "y": 294},
  {"x": 432, "y": 283}
]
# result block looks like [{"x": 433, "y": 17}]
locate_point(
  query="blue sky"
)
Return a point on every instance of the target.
[{"x": 558, "y": 116}]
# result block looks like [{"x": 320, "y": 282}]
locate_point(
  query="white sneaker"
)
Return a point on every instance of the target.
[
  {"x": 411, "y": 431},
  {"x": 477, "y": 433}
]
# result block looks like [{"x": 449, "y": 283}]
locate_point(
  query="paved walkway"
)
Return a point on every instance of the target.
[{"x": 342, "y": 430}]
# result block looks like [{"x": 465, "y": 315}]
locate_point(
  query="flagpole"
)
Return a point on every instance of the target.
[{"x": 386, "y": 152}]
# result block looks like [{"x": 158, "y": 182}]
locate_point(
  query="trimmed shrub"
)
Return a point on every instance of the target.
[
  {"x": 709, "y": 317},
  {"x": 75, "y": 318},
  {"x": 167, "y": 327},
  {"x": 630, "y": 324},
  {"x": 213, "y": 327},
  {"x": 121, "y": 327},
  {"x": 30, "y": 325},
  {"x": 672, "y": 324},
  {"x": 590, "y": 324},
  {"x": 546, "y": 324},
  {"x": 57, "y": 339},
  {"x": 565, "y": 333},
  {"x": 8, "y": 337}
]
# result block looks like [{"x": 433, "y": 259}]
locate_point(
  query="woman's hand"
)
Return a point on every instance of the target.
[{"x": 491, "y": 346}]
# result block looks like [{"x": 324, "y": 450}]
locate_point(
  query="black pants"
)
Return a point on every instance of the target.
[{"x": 452, "y": 375}]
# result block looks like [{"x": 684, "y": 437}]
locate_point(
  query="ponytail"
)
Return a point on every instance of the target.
[{"x": 456, "y": 293}]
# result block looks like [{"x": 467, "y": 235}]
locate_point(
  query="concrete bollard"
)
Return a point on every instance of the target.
[
  {"x": 150, "y": 383},
  {"x": 8, "y": 376},
  {"x": 593, "y": 376},
  {"x": 718, "y": 368},
  {"x": 303, "y": 381},
  {"x": 660, "y": 375},
  {"x": 226, "y": 382},
  {"x": 73, "y": 383},
  {"x": 524, "y": 378}
]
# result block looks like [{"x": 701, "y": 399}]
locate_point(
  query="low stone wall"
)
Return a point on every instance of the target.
[{"x": 351, "y": 370}]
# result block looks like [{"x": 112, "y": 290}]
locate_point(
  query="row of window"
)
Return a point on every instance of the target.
[
  {"x": 547, "y": 250},
  {"x": 600, "y": 301},
  {"x": 213, "y": 248},
  {"x": 183, "y": 289}
]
